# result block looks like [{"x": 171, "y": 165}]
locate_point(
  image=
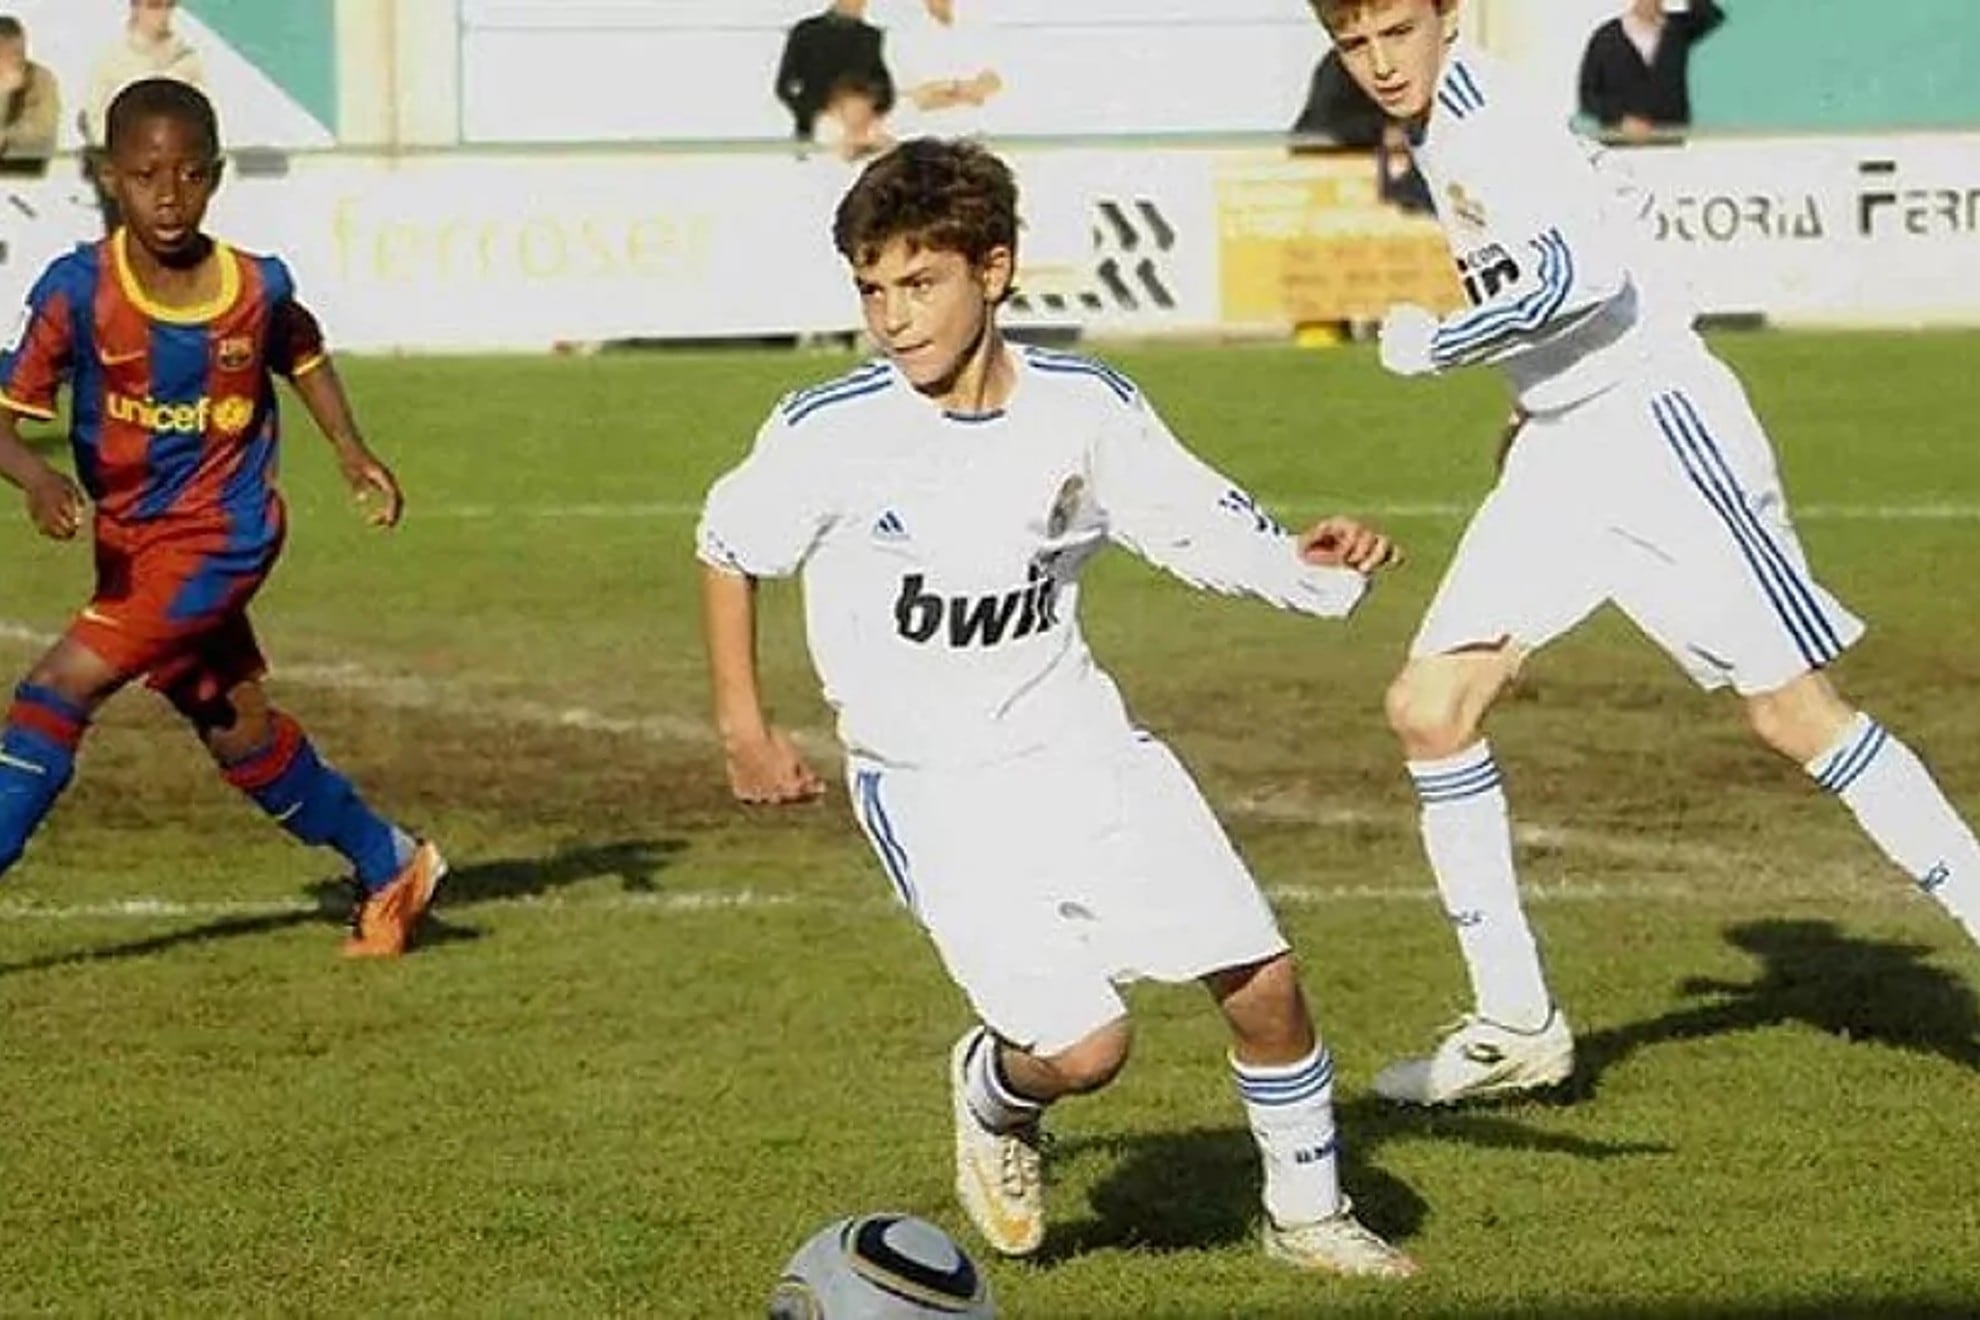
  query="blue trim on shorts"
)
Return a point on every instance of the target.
[
  {"x": 1705, "y": 464},
  {"x": 873, "y": 818}
]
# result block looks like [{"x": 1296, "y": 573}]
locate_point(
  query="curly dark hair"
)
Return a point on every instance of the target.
[{"x": 948, "y": 196}]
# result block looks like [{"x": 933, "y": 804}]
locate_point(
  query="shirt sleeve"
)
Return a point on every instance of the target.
[
  {"x": 763, "y": 517},
  {"x": 1179, "y": 513},
  {"x": 1702, "y": 18},
  {"x": 1556, "y": 265},
  {"x": 295, "y": 340},
  {"x": 37, "y": 359}
]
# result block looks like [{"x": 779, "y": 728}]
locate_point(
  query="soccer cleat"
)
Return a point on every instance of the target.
[
  {"x": 1479, "y": 1059},
  {"x": 1339, "y": 1244},
  {"x": 999, "y": 1176},
  {"x": 384, "y": 922}
]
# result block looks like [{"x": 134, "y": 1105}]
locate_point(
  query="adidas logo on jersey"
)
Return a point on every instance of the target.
[
  {"x": 921, "y": 615},
  {"x": 889, "y": 527}
]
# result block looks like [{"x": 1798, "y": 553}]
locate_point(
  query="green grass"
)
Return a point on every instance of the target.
[{"x": 656, "y": 1039}]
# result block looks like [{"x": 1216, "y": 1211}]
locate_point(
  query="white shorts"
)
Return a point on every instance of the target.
[
  {"x": 1046, "y": 880},
  {"x": 1662, "y": 496}
]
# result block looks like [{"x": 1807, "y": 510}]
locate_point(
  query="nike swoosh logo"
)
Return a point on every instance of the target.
[
  {"x": 91, "y": 614},
  {"x": 110, "y": 359},
  {"x": 18, "y": 764},
  {"x": 287, "y": 813}
]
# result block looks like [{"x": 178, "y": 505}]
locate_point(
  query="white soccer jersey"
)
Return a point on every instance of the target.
[
  {"x": 1549, "y": 238},
  {"x": 941, "y": 552}
]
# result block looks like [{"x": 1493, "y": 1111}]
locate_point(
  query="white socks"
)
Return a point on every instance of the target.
[
  {"x": 989, "y": 1096},
  {"x": 1290, "y": 1108},
  {"x": 1894, "y": 798},
  {"x": 1469, "y": 840}
]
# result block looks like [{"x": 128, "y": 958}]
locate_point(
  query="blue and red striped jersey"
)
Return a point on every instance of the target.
[{"x": 173, "y": 415}]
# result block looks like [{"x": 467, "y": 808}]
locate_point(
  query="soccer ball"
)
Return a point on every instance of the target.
[{"x": 881, "y": 1267}]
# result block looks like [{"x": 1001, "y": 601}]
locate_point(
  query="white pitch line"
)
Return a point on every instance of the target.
[
  {"x": 147, "y": 908},
  {"x": 658, "y": 509},
  {"x": 441, "y": 696},
  {"x": 430, "y": 695}
]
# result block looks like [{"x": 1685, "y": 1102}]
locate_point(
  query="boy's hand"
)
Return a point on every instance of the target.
[
  {"x": 769, "y": 770},
  {"x": 1406, "y": 334},
  {"x": 1345, "y": 543},
  {"x": 377, "y": 490},
  {"x": 55, "y": 503}
]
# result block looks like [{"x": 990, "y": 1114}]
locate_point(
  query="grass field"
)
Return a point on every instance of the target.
[{"x": 655, "y": 1039}]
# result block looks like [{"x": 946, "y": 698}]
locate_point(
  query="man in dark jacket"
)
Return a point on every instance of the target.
[
  {"x": 823, "y": 50},
  {"x": 1635, "y": 74}
]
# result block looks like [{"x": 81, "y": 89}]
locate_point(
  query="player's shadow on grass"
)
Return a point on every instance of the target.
[
  {"x": 634, "y": 861},
  {"x": 1186, "y": 1191},
  {"x": 1811, "y": 973}
]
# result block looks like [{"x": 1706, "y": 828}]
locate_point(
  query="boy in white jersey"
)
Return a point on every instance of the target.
[
  {"x": 941, "y": 503},
  {"x": 1637, "y": 473}
]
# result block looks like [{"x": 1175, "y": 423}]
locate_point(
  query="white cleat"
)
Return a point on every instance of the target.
[
  {"x": 1340, "y": 1245},
  {"x": 999, "y": 1176},
  {"x": 1480, "y": 1059}
]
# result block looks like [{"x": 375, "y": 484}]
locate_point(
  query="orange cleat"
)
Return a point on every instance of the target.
[{"x": 384, "y": 922}]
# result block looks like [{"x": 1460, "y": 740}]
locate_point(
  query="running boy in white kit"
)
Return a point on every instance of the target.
[
  {"x": 1638, "y": 475},
  {"x": 941, "y": 503}
]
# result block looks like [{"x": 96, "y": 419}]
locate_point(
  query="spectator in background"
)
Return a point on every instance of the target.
[
  {"x": 1337, "y": 110},
  {"x": 820, "y": 51},
  {"x": 943, "y": 81},
  {"x": 1636, "y": 71},
  {"x": 33, "y": 100},
  {"x": 851, "y": 123},
  {"x": 149, "y": 48},
  {"x": 1339, "y": 115}
]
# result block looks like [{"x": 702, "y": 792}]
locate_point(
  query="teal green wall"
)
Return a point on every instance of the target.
[
  {"x": 1828, "y": 64},
  {"x": 294, "y": 42}
]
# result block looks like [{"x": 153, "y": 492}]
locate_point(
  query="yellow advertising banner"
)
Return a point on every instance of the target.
[{"x": 1309, "y": 238}]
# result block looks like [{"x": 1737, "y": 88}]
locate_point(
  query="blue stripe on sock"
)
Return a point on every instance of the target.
[
  {"x": 1478, "y": 777},
  {"x": 1848, "y": 765},
  {"x": 49, "y": 699},
  {"x": 1286, "y": 1088}
]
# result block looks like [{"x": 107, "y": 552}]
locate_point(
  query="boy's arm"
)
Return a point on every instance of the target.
[
  {"x": 55, "y": 503},
  {"x": 1558, "y": 260},
  {"x": 316, "y": 383},
  {"x": 33, "y": 369},
  {"x": 1561, "y": 284},
  {"x": 764, "y": 765},
  {"x": 760, "y": 519},
  {"x": 1182, "y": 515},
  {"x": 296, "y": 351}
]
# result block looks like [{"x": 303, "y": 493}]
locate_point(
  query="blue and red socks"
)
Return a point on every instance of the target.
[
  {"x": 37, "y": 760},
  {"x": 317, "y": 805}
]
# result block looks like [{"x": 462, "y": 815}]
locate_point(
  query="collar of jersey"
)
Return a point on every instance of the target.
[
  {"x": 972, "y": 418},
  {"x": 230, "y": 285}
]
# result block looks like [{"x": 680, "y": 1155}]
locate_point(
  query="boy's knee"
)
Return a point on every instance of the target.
[
  {"x": 1800, "y": 720},
  {"x": 1093, "y": 1062},
  {"x": 1426, "y": 716},
  {"x": 1436, "y": 704}
]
